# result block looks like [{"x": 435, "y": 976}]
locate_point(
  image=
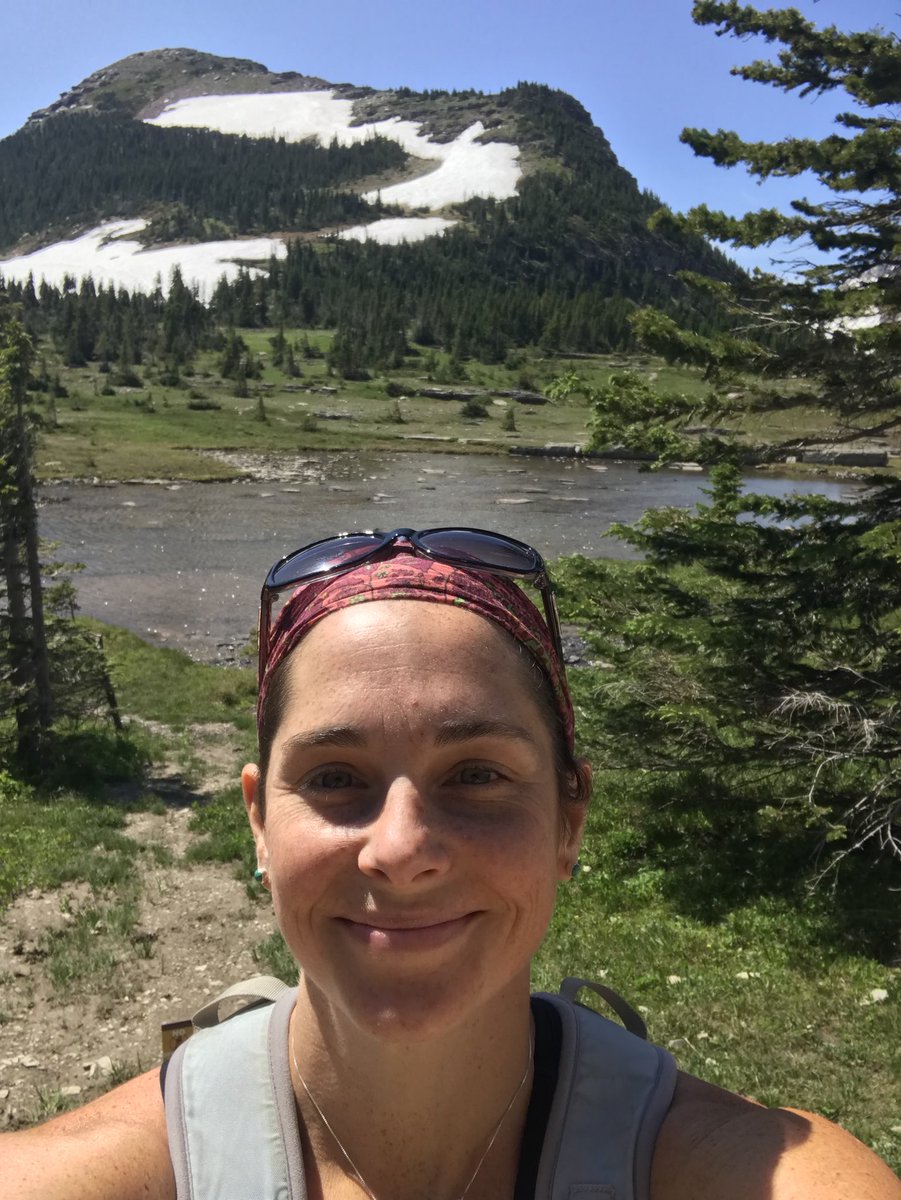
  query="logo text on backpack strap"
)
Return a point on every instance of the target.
[{"x": 173, "y": 1033}]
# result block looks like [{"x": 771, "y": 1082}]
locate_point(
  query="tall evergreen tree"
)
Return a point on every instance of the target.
[
  {"x": 23, "y": 644},
  {"x": 759, "y": 653}
]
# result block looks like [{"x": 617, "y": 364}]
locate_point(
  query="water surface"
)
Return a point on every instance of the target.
[{"x": 182, "y": 563}]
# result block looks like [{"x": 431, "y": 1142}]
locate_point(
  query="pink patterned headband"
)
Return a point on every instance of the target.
[{"x": 406, "y": 576}]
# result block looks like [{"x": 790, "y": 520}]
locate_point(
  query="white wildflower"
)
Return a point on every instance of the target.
[{"x": 876, "y": 996}]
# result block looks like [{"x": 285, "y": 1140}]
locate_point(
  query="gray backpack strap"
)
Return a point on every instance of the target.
[
  {"x": 613, "y": 1092},
  {"x": 570, "y": 988},
  {"x": 230, "y": 1110},
  {"x": 249, "y": 993}
]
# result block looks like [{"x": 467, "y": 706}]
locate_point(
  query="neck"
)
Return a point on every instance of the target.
[{"x": 415, "y": 1114}]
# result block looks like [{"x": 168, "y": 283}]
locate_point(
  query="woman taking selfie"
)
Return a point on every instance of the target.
[{"x": 416, "y": 803}]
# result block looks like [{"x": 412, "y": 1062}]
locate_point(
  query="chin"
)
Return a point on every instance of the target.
[{"x": 412, "y": 1010}]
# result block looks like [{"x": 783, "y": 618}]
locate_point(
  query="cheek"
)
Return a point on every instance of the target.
[
  {"x": 530, "y": 869},
  {"x": 302, "y": 855}
]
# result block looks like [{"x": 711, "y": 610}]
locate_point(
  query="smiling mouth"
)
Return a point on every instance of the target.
[{"x": 409, "y": 933}]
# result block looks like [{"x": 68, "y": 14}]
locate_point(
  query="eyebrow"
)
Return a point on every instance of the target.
[
  {"x": 453, "y": 731},
  {"x": 329, "y": 735},
  {"x": 449, "y": 733}
]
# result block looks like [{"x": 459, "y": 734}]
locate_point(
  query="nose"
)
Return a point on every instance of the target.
[{"x": 403, "y": 844}]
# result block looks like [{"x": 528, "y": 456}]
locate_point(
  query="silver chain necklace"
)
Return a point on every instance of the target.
[{"x": 353, "y": 1166}]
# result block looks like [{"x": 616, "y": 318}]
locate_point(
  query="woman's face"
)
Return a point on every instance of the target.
[{"x": 412, "y": 829}]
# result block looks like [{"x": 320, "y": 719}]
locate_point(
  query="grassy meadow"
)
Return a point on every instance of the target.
[
  {"x": 765, "y": 999},
  {"x": 99, "y": 429}
]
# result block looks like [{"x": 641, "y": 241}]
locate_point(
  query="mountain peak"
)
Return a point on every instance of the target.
[{"x": 140, "y": 84}]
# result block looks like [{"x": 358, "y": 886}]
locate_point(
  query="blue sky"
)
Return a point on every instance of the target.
[{"x": 641, "y": 67}]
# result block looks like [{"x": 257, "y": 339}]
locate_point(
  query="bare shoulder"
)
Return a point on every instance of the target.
[
  {"x": 714, "y": 1143},
  {"x": 114, "y": 1148}
]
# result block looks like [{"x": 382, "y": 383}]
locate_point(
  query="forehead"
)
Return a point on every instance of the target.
[
  {"x": 409, "y": 653},
  {"x": 355, "y": 636}
]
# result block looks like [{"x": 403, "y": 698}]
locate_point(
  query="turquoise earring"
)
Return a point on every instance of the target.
[
  {"x": 576, "y": 870},
  {"x": 259, "y": 874}
]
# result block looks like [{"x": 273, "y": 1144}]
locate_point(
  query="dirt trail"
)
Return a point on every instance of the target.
[{"x": 196, "y": 932}]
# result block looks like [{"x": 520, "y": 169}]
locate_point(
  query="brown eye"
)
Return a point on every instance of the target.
[
  {"x": 332, "y": 779},
  {"x": 475, "y": 775}
]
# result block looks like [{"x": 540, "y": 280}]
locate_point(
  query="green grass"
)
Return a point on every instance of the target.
[
  {"x": 165, "y": 685},
  {"x": 152, "y": 431},
  {"x": 49, "y": 840},
  {"x": 99, "y": 938},
  {"x": 50, "y": 1102},
  {"x": 227, "y": 834},
  {"x": 63, "y": 830},
  {"x": 749, "y": 1003},
  {"x": 273, "y": 957}
]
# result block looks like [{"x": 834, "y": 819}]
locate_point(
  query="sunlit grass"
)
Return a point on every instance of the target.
[
  {"x": 161, "y": 684},
  {"x": 754, "y": 1003},
  {"x": 154, "y": 431},
  {"x": 46, "y": 841}
]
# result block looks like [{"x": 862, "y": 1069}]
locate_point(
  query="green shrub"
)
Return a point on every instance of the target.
[{"x": 473, "y": 410}]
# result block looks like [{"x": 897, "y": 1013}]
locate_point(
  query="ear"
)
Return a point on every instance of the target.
[
  {"x": 250, "y": 786},
  {"x": 576, "y": 812}
]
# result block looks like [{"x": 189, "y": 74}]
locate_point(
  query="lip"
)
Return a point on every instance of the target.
[{"x": 406, "y": 933}]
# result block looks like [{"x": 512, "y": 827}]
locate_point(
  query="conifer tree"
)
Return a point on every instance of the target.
[
  {"x": 758, "y": 651},
  {"x": 23, "y": 641}
]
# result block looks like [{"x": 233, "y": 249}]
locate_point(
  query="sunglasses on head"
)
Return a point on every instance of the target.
[{"x": 470, "y": 549}]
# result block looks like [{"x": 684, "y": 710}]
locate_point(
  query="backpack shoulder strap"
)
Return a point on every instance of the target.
[
  {"x": 230, "y": 1110},
  {"x": 240, "y": 997},
  {"x": 613, "y": 1092}
]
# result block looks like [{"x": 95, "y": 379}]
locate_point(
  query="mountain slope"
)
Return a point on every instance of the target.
[{"x": 329, "y": 199}]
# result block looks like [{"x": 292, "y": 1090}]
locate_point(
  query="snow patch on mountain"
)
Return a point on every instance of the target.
[
  {"x": 454, "y": 171},
  {"x": 391, "y": 231},
  {"x": 111, "y": 256},
  {"x": 467, "y": 167}
]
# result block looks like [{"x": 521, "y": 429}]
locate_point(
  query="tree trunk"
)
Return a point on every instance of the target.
[
  {"x": 28, "y": 658},
  {"x": 29, "y": 531},
  {"x": 28, "y": 725}
]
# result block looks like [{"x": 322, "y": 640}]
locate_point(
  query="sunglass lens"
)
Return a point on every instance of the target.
[
  {"x": 480, "y": 548},
  {"x": 322, "y": 558}
]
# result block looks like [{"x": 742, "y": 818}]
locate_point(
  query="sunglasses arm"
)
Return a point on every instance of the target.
[{"x": 263, "y": 633}]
